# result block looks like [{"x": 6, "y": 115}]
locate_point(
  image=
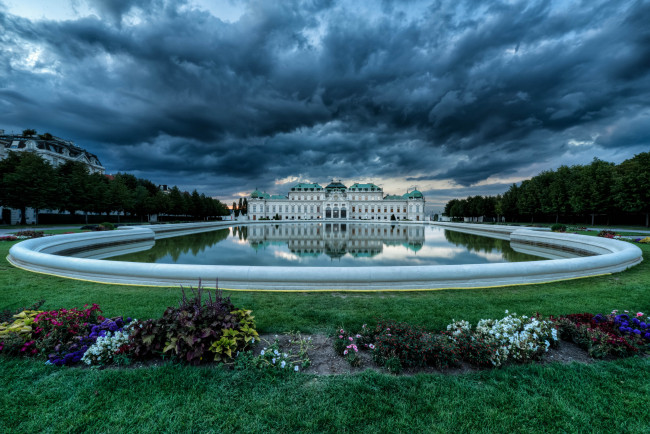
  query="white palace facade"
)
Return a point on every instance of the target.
[{"x": 337, "y": 202}]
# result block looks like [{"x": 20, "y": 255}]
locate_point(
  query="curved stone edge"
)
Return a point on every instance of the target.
[{"x": 37, "y": 255}]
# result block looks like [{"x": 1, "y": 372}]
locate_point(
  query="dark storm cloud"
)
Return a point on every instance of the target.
[{"x": 423, "y": 91}]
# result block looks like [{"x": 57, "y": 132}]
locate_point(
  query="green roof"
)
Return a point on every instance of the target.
[
  {"x": 415, "y": 194},
  {"x": 370, "y": 186},
  {"x": 256, "y": 194},
  {"x": 336, "y": 186},
  {"x": 306, "y": 185},
  {"x": 393, "y": 197},
  {"x": 278, "y": 196},
  {"x": 413, "y": 246}
]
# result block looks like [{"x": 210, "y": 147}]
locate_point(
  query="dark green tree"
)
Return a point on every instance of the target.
[
  {"x": 120, "y": 197},
  {"x": 591, "y": 191},
  {"x": 632, "y": 185},
  {"x": 176, "y": 203},
  {"x": 27, "y": 181},
  {"x": 74, "y": 187}
]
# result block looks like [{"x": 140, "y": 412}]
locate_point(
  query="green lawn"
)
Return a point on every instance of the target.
[{"x": 602, "y": 397}]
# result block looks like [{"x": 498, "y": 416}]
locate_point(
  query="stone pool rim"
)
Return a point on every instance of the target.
[{"x": 37, "y": 255}]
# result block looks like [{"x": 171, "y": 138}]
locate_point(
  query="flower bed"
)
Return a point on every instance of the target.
[
  {"x": 197, "y": 331},
  {"x": 494, "y": 342}
]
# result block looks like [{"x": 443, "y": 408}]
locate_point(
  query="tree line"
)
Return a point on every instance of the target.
[
  {"x": 242, "y": 208},
  {"x": 572, "y": 194},
  {"x": 29, "y": 181}
]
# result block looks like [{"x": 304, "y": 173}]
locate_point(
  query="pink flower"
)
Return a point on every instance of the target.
[
  {"x": 341, "y": 331},
  {"x": 639, "y": 314},
  {"x": 389, "y": 334},
  {"x": 371, "y": 346},
  {"x": 340, "y": 336},
  {"x": 358, "y": 336},
  {"x": 615, "y": 311},
  {"x": 350, "y": 338},
  {"x": 345, "y": 353}
]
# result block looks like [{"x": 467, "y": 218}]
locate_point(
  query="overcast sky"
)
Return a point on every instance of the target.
[{"x": 455, "y": 97}]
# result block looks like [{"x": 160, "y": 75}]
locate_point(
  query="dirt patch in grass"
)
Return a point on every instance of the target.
[{"x": 325, "y": 361}]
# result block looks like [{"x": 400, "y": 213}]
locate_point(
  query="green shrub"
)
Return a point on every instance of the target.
[
  {"x": 557, "y": 227},
  {"x": 413, "y": 346},
  {"x": 106, "y": 226},
  {"x": 197, "y": 331}
]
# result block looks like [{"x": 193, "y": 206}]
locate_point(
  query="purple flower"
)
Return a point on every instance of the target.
[{"x": 637, "y": 331}]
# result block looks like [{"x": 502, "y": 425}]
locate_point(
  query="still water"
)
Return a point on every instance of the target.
[{"x": 329, "y": 245}]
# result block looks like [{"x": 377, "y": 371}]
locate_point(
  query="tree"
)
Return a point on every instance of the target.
[
  {"x": 98, "y": 194},
  {"x": 140, "y": 202},
  {"x": 632, "y": 185},
  {"x": 508, "y": 204},
  {"x": 74, "y": 192},
  {"x": 591, "y": 191},
  {"x": 448, "y": 206},
  {"x": 29, "y": 132},
  {"x": 558, "y": 192},
  {"x": 528, "y": 199},
  {"x": 176, "y": 205},
  {"x": 27, "y": 181},
  {"x": 159, "y": 203},
  {"x": 196, "y": 205},
  {"x": 120, "y": 197}
]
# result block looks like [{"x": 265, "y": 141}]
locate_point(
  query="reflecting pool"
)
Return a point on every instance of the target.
[{"x": 329, "y": 244}]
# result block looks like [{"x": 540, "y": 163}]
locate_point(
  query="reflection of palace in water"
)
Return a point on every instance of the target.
[{"x": 337, "y": 239}]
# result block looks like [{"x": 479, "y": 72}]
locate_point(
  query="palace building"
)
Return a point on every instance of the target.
[
  {"x": 52, "y": 149},
  {"x": 336, "y": 201}
]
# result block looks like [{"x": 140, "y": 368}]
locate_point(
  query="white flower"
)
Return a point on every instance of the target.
[
  {"x": 262, "y": 353},
  {"x": 273, "y": 361},
  {"x": 283, "y": 364},
  {"x": 295, "y": 368}
]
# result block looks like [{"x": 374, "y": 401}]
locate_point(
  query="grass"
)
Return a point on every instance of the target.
[{"x": 602, "y": 397}]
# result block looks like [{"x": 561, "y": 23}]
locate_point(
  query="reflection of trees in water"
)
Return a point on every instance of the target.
[
  {"x": 477, "y": 243},
  {"x": 176, "y": 246},
  {"x": 240, "y": 232}
]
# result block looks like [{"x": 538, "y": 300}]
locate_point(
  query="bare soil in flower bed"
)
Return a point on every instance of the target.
[{"x": 325, "y": 361}]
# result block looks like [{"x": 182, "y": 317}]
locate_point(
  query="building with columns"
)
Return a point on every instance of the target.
[
  {"x": 52, "y": 149},
  {"x": 337, "y": 202}
]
